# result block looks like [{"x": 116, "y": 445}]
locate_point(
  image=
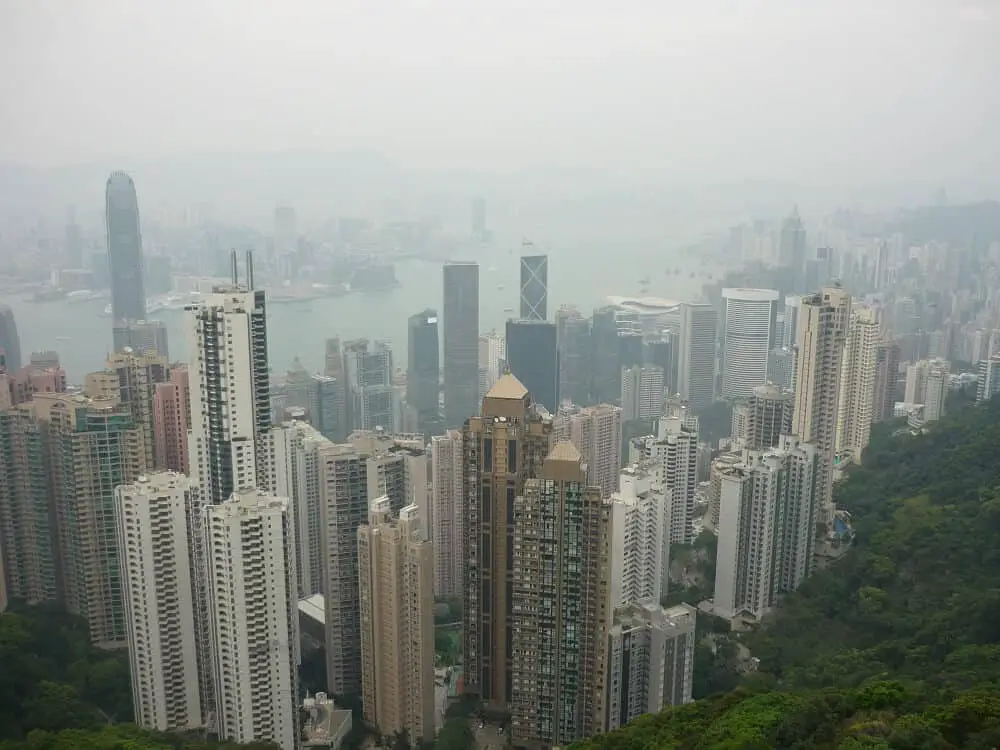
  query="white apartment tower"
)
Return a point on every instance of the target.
[
  {"x": 295, "y": 464},
  {"x": 396, "y": 573},
  {"x": 822, "y": 332},
  {"x": 230, "y": 405},
  {"x": 650, "y": 660},
  {"x": 446, "y": 488},
  {"x": 154, "y": 527},
  {"x": 767, "y": 517},
  {"x": 250, "y": 554},
  {"x": 640, "y": 537},
  {"x": 674, "y": 450},
  {"x": 642, "y": 392},
  {"x": 857, "y": 384},
  {"x": 927, "y": 384},
  {"x": 492, "y": 353},
  {"x": 596, "y": 431},
  {"x": 748, "y": 339}
]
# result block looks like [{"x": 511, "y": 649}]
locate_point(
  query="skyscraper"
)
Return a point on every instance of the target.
[
  {"x": 503, "y": 447},
  {"x": 674, "y": 449},
  {"x": 138, "y": 376},
  {"x": 748, "y": 338},
  {"x": 640, "y": 536},
  {"x": 596, "y": 431},
  {"x": 461, "y": 342},
  {"x": 10, "y": 342},
  {"x": 642, "y": 392},
  {"x": 559, "y": 583},
  {"x": 172, "y": 420},
  {"x": 767, "y": 528},
  {"x": 859, "y": 372},
  {"x": 605, "y": 366},
  {"x": 370, "y": 395},
  {"x": 792, "y": 245},
  {"x": 650, "y": 660},
  {"x": 492, "y": 359},
  {"x": 533, "y": 358},
  {"x": 886, "y": 375},
  {"x": 480, "y": 231},
  {"x": 159, "y": 573},
  {"x": 446, "y": 489},
  {"x": 396, "y": 570},
  {"x": 822, "y": 331},
  {"x": 93, "y": 447},
  {"x": 423, "y": 371},
  {"x": 768, "y": 417},
  {"x": 534, "y": 287},
  {"x": 27, "y": 528},
  {"x": 230, "y": 406},
  {"x": 250, "y": 554},
  {"x": 696, "y": 360},
  {"x": 573, "y": 341},
  {"x": 128, "y": 295}
]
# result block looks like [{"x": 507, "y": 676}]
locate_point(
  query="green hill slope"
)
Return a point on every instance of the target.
[{"x": 898, "y": 644}]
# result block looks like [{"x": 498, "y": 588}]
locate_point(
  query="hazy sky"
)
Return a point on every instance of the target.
[{"x": 800, "y": 89}]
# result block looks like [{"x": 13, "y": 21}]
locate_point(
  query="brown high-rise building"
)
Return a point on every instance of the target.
[
  {"x": 886, "y": 375},
  {"x": 92, "y": 447},
  {"x": 396, "y": 580},
  {"x": 561, "y": 611},
  {"x": 172, "y": 420},
  {"x": 503, "y": 447}
]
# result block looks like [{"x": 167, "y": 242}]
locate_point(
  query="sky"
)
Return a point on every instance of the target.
[{"x": 811, "y": 90}]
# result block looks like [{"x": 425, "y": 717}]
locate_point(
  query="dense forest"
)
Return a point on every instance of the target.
[{"x": 897, "y": 645}]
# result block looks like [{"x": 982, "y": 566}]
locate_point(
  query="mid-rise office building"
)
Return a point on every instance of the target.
[
  {"x": 747, "y": 339},
  {"x": 503, "y": 447},
  {"x": 250, "y": 555},
  {"x": 642, "y": 392},
  {"x": 822, "y": 332},
  {"x": 396, "y": 573},
  {"x": 446, "y": 488},
  {"x": 128, "y": 295},
  {"x": 423, "y": 372},
  {"x": 573, "y": 343},
  {"x": 640, "y": 536},
  {"x": 596, "y": 431},
  {"x": 228, "y": 377},
  {"x": 767, "y": 527},
  {"x": 460, "y": 342},
  {"x": 559, "y": 617},
  {"x": 650, "y": 660},
  {"x": 534, "y": 287},
  {"x": 533, "y": 358},
  {"x": 158, "y": 574},
  {"x": 697, "y": 358},
  {"x": 92, "y": 448},
  {"x": 172, "y": 421},
  {"x": 858, "y": 376},
  {"x": 27, "y": 529}
]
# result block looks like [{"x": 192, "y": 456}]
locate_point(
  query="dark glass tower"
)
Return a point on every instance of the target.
[
  {"x": 423, "y": 371},
  {"x": 532, "y": 357},
  {"x": 605, "y": 370},
  {"x": 10, "y": 342},
  {"x": 128, "y": 295},
  {"x": 461, "y": 342},
  {"x": 534, "y": 287}
]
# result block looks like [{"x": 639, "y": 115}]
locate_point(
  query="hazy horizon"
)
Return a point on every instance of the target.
[{"x": 845, "y": 92}]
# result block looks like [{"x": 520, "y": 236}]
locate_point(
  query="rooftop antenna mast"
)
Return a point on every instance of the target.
[
  {"x": 250, "y": 270},
  {"x": 232, "y": 258}
]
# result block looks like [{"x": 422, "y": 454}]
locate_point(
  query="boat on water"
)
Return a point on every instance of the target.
[
  {"x": 491, "y": 269},
  {"x": 501, "y": 287}
]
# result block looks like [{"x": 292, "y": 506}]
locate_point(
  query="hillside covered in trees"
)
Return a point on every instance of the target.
[{"x": 898, "y": 644}]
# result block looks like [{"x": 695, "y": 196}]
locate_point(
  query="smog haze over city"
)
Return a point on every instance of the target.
[{"x": 451, "y": 374}]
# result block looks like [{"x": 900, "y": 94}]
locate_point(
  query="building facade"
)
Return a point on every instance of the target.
[
  {"x": 423, "y": 372},
  {"x": 640, "y": 536},
  {"x": 396, "y": 573},
  {"x": 128, "y": 295},
  {"x": 534, "y": 287},
  {"x": 461, "y": 342},
  {"x": 696, "y": 361},
  {"x": 596, "y": 431},
  {"x": 859, "y": 372},
  {"x": 533, "y": 358},
  {"x": 446, "y": 488},
  {"x": 748, "y": 337}
]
